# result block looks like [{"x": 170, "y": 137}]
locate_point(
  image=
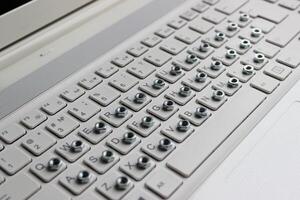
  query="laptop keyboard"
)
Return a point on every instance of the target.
[{"x": 130, "y": 129}]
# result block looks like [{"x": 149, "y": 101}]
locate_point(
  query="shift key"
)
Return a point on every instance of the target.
[
  {"x": 210, "y": 136},
  {"x": 285, "y": 32}
]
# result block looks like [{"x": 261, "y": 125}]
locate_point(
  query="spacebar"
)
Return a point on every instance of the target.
[{"x": 188, "y": 157}]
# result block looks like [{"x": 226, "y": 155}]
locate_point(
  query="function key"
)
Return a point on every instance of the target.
[
  {"x": 164, "y": 32},
  {"x": 33, "y": 119},
  {"x": 200, "y": 7},
  {"x": 107, "y": 69},
  {"x": 177, "y": 23},
  {"x": 137, "y": 50},
  {"x": 72, "y": 93},
  {"x": 151, "y": 40},
  {"x": 53, "y": 106},
  {"x": 122, "y": 60},
  {"x": 189, "y": 15},
  {"x": 89, "y": 81}
]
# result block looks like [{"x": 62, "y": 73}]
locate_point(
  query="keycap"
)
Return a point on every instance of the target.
[
  {"x": 160, "y": 112},
  {"x": 172, "y": 46},
  {"x": 67, "y": 150},
  {"x": 70, "y": 179},
  {"x": 62, "y": 125},
  {"x": 207, "y": 68},
  {"x": 241, "y": 46},
  {"x": 201, "y": 26},
  {"x": 228, "y": 56},
  {"x": 264, "y": 25},
  {"x": 207, "y": 99},
  {"x": 89, "y": 81},
  {"x": 104, "y": 95},
  {"x": 11, "y": 133},
  {"x": 136, "y": 101},
  {"x": 200, "y": 7},
  {"x": 211, "y": 2},
  {"x": 92, "y": 134},
  {"x": 229, "y": 7},
  {"x": 210, "y": 38},
  {"x": 269, "y": 50},
  {"x": 38, "y": 142},
  {"x": 42, "y": 170},
  {"x": 110, "y": 115},
  {"x": 138, "y": 194},
  {"x": 284, "y": 33},
  {"x": 290, "y": 4},
  {"x": 156, "y": 150},
  {"x": 189, "y": 15},
  {"x": 183, "y": 62},
  {"x": 177, "y": 23},
  {"x": 72, "y": 93},
  {"x": 25, "y": 186},
  {"x": 151, "y": 40},
  {"x": 173, "y": 132},
  {"x": 289, "y": 55},
  {"x": 124, "y": 142},
  {"x": 157, "y": 57},
  {"x": 164, "y": 32},
  {"x": 196, "y": 85},
  {"x": 187, "y": 36},
  {"x": 167, "y": 75},
  {"x": 83, "y": 109},
  {"x": 250, "y": 59},
  {"x": 196, "y": 114},
  {"x": 202, "y": 54},
  {"x": 149, "y": 88},
  {"x": 163, "y": 183},
  {"x": 50, "y": 191},
  {"x": 277, "y": 71},
  {"x": 107, "y": 186},
  {"x": 122, "y": 60},
  {"x": 265, "y": 10},
  {"x": 89, "y": 196},
  {"x": 264, "y": 83},
  {"x": 214, "y": 16},
  {"x": 177, "y": 95},
  {"x": 230, "y": 29},
  {"x": 95, "y": 160},
  {"x": 33, "y": 119},
  {"x": 248, "y": 33},
  {"x": 107, "y": 69},
  {"x": 140, "y": 69},
  {"x": 13, "y": 160},
  {"x": 211, "y": 135},
  {"x": 238, "y": 72},
  {"x": 137, "y": 50},
  {"x": 123, "y": 81},
  {"x": 143, "y": 124},
  {"x": 53, "y": 106},
  {"x": 137, "y": 166},
  {"x": 223, "y": 83}
]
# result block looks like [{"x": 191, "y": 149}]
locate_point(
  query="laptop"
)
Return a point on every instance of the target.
[{"x": 149, "y": 100}]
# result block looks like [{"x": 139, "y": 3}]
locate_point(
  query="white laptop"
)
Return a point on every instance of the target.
[{"x": 149, "y": 100}]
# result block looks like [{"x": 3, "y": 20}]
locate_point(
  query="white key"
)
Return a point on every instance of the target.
[
  {"x": 173, "y": 46},
  {"x": 90, "y": 81},
  {"x": 50, "y": 192},
  {"x": 107, "y": 69},
  {"x": 38, "y": 142},
  {"x": 264, "y": 83},
  {"x": 84, "y": 109},
  {"x": 189, "y": 15},
  {"x": 177, "y": 23},
  {"x": 62, "y": 125},
  {"x": 151, "y": 40},
  {"x": 123, "y": 81},
  {"x": 187, "y": 36},
  {"x": 140, "y": 69},
  {"x": 53, "y": 106},
  {"x": 201, "y": 26},
  {"x": 72, "y": 93},
  {"x": 33, "y": 119},
  {"x": 278, "y": 71},
  {"x": 214, "y": 16},
  {"x": 137, "y": 50},
  {"x": 104, "y": 95},
  {"x": 11, "y": 133},
  {"x": 19, "y": 187},
  {"x": 122, "y": 60},
  {"x": 164, "y": 32},
  {"x": 157, "y": 57},
  {"x": 200, "y": 7},
  {"x": 13, "y": 160}
]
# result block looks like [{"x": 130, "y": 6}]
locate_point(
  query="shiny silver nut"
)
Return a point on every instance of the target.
[
  {"x": 77, "y": 146},
  {"x": 147, "y": 122},
  {"x": 204, "y": 47},
  {"x": 84, "y": 177},
  {"x": 121, "y": 112},
  {"x": 107, "y": 156},
  {"x": 191, "y": 58},
  {"x": 232, "y": 27},
  {"x": 201, "y": 77},
  {"x": 248, "y": 70},
  {"x": 201, "y": 112},
  {"x": 139, "y": 98},
  {"x": 219, "y": 36},
  {"x": 244, "y": 17},
  {"x": 168, "y": 105},
  {"x": 259, "y": 58},
  {"x": 185, "y": 91},
  {"x": 129, "y": 138},
  {"x": 256, "y": 32},
  {"x": 54, "y": 164},
  {"x": 218, "y": 95},
  {"x": 122, "y": 183},
  {"x": 231, "y": 54},
  {"x": 233, "y": 82},
  {"x": 165, "y": 144},
  {"x": 158, "y": 84},
  {"x": 216, "y": 65},
  {"x": 183, "y": 125},
  {"x": 143, "y": 162},
  {"x": 245, "y": 44},
  {"x": 100, "y": 127},
  {"x": 175, "y": 70}
]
